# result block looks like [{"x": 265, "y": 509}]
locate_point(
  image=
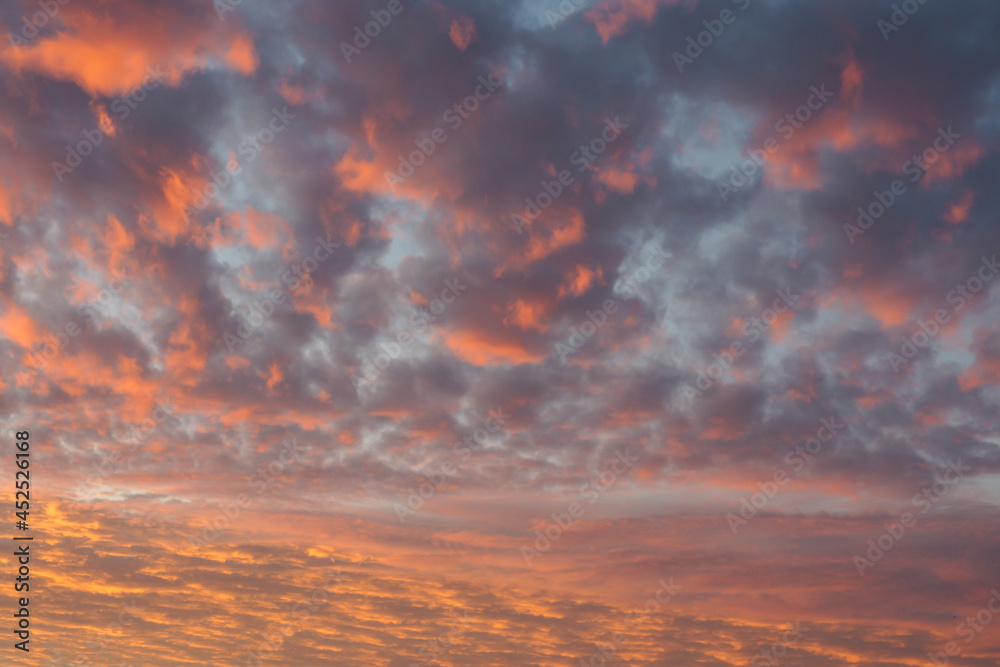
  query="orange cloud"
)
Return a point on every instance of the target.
[
  {"x": 486, "y": 348},
  {"x": 462, "y": 31},
  {"x": 261, "y": 231},
  {"x": 891, "y": 308},
  {"x": 579, "y": 280},
  {"x": 525, "y": 315},
  {"x": 851, "y": 79},
  {"x": 952, "y": 163},
  {"x": 118, "y": 242},
  {"x": 612, "y": 17},
  {"x": 5, "y": 206},
  {"x": 620, "y": 179},
  {"x": 563, "y": 232},
  {"x": 360, "y": 175},
  {"x": 17, "y": 325},
  {"x": 958, "y": 211},
  {"x": 176, "y": 189},
  {"x": 113, "y": 49}
]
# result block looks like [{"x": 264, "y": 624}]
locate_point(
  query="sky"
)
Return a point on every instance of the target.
[{"x": 657, "y": 333}]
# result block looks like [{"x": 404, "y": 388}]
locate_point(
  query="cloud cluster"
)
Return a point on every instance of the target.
[{"x": 266, "y": 282}]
